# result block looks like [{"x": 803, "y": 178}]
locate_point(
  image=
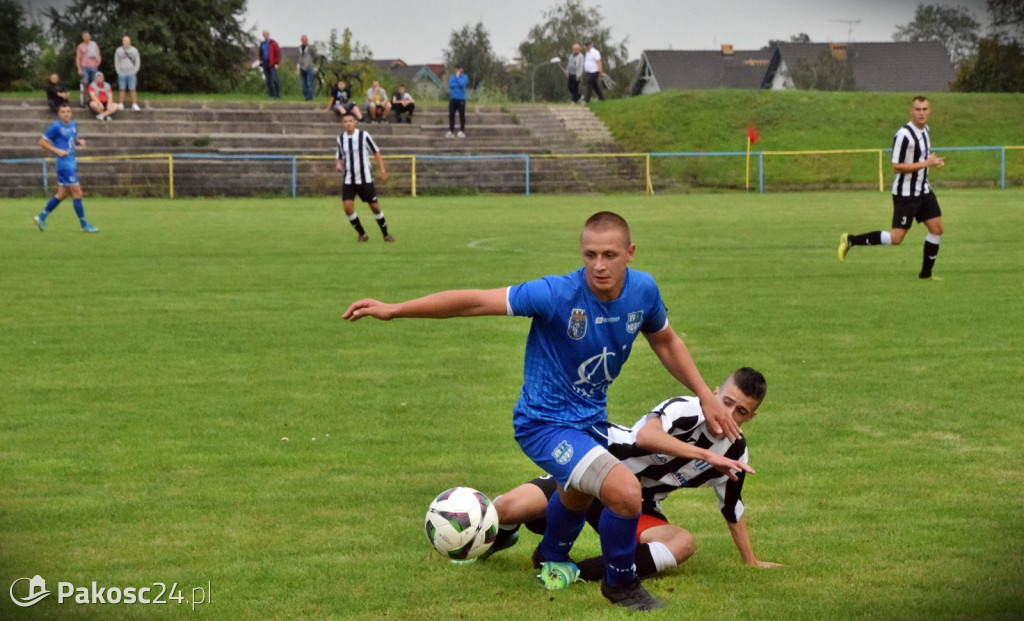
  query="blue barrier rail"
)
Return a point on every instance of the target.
[{"x": 525, "y": 157}]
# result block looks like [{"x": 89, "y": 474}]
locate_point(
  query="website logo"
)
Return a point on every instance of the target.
[{"x": 36, "y": 591}]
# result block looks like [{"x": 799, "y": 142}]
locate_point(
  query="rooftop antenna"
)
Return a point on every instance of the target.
[{"x": 849, "y": 27}]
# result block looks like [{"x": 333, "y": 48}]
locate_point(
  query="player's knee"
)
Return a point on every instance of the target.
[
  {"x": 681, "y": 545},
  {"x": 621, "y": 494}
]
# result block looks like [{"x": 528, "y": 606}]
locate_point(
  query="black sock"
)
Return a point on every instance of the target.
[
  {"x": 382, "y": 223},
  {"x": 931, "y": 251},
  {"x": 874, "y": 238},
  {"x": 357, "y": 225},
  {"x": 592, "y": 569}
]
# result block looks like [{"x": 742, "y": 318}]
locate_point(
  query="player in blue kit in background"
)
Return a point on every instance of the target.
[
  {"x": 61, "y": 138},
  {"x": 582, "y": 331}
]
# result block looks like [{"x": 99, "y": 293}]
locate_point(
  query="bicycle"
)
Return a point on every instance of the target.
[{"x": 319, "y": 79}]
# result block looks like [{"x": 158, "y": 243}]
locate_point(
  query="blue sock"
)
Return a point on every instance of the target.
[
  {"x": 79, "y": 209},
  {"x": 618, "y": 546},
  {"x": 50, "y": 206},
  {"x": 563, "y": 526}
]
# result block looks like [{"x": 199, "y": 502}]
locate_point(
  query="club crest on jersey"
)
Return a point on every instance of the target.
[
  {"x": 633, "y": 321},
  {"x": 562, "y": 453},
  {"x": 577, "y": 324}
]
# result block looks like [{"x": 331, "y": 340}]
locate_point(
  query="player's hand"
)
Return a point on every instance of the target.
[
  {"x": 729, "y": 467},
  {"x": 339, "y": 166},
  {"x": 719, "y": 420},
  {"x": 383, "y": 175},
  {"x": 60, "y": 152},
  {"x": 368, "y": 308}
]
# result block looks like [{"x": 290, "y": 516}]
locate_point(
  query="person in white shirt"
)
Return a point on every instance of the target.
[{"x": 593, "y": 67}]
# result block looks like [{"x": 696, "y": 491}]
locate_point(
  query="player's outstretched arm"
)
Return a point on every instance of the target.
[
  {"x": 741, "y": 537},
  {"x": 675, "y": 356},
  {"x": 653, "y": 438},
  {"x": 441, "y": 305}
]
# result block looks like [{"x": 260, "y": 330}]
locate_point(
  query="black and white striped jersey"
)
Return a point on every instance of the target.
[
  {"x": 356, "y": 150},
  {"x": 911, "y": 145},
  {"x": 659, "y": 475}
]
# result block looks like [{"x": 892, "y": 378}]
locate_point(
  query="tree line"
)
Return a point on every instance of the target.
[{"x": 199, "y": 46}]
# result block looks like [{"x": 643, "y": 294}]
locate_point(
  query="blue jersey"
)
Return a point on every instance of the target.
[
  {"x": 578, "y": 343},
  {"x": 63, "y": 137}
]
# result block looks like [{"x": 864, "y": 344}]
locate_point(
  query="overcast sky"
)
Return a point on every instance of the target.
[{"x": 418, "y": 31}]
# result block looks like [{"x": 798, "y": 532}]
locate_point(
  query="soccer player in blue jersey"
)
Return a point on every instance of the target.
[
  {"x": 582, "y": 331},
  {"x": 61, "y": 138}
]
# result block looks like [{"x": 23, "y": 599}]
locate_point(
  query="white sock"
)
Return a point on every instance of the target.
[
  {"x": 933, "y": 238},
  {"x": 663, "y": 558},
  {"x": 886, "y": 238}
]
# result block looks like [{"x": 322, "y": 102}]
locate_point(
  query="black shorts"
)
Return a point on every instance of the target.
[
  {"x": 907, "y": 208},
  {"x": 365, "y": 191}
]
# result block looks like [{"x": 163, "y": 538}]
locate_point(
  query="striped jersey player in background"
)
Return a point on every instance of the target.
[
  {"x": 668, "y": 449},
  {"x": 354, "y": 150},
  {"x": 912, "y": 197}
]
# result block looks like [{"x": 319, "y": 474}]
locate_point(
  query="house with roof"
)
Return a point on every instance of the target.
[
  {"x": 694, "y": 70},
  {"x": 418, "y": 79},
  {"x": 920, "y": 66},
  {"x": 888, "y": 66}
]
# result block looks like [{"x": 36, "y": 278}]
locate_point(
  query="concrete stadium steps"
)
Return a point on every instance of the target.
[{"x": 302, "y": 129}]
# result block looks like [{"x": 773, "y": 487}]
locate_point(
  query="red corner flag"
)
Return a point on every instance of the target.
[{"x": 752, "y": 134}]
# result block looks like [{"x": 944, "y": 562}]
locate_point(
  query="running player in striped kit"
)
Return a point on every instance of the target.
[
  {"x": 912, "y": 197},
  {"x": 354, "y": 150}
]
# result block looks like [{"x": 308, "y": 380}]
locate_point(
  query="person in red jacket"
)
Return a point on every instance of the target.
[{"x": 270, "y": 58}]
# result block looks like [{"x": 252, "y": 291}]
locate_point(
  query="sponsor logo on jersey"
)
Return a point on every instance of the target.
[{"x": 577, "y": 324}]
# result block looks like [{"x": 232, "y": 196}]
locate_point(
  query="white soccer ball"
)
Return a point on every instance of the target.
[{"x": 461, "y": 523}]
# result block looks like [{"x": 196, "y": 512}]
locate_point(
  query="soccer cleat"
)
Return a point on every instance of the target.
[
  {"x": 633, "y": 596},
  {"x": 41, "y": 223},
  {"x": 504, "y": 540},
  {"x": 460, "y": 134},
  {"x": 844, "y": 246},
  {"x": 363, "y": 238},
  {"x": 449, "y": 135},
  {"x": 555, "y": 576},
  {"x": 136, "y": 107},
  {"x": 389, "y": 238},
  {"x": 930, "y": 277},
  {"x": 88, "y": 228}
]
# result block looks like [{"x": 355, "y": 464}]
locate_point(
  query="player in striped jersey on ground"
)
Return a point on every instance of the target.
[
  {"x": 354, "y": 150},
  {"x": 670, "y": 448},
  {"x": 912, "y": 197}
]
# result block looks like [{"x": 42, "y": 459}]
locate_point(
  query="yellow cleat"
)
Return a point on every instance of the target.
[{"x": 844, "y": 246}]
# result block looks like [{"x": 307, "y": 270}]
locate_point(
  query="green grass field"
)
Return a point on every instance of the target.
[{"x": 150, "y": 372}]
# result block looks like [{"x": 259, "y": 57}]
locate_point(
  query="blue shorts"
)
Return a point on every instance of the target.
[
  {"x": 563, "y": 452},
  {"x": 88, "y": 75},
  {"x": 126, "y": 82},
  {"x": 67, "y": 176}
]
